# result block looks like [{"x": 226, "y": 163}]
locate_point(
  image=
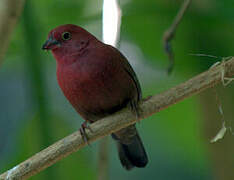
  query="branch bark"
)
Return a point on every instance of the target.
[
  {"x": 10, "y": 10},
  {"x": 119, "y": 120}
]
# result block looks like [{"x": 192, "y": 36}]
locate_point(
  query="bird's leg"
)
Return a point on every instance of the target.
[
  {"x": 147, "y": 98},
  {"x": 135, "y": 108},
  {"x": 83, "y": 133}
]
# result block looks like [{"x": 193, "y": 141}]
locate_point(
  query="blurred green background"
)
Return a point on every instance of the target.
[{"x": 34, "y": 113}]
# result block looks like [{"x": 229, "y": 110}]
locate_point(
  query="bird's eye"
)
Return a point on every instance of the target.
[{"x": 66, "y": 36}]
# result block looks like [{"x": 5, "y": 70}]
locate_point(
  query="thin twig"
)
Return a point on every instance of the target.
[
  {"x": 117, "y": 121},
  {"x": 10, "y": 11},
  {"x": 170, "y": 33},
  {"x": 205, "y": 55}
]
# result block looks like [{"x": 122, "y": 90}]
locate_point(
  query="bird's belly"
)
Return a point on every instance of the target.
[{"x": 96, "y": 97}]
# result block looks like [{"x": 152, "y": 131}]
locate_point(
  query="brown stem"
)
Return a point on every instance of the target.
[
  {"x": 119, "y": 120},
  {"x": 170, "y": 32},
  {"x": 10, "y": 10}
]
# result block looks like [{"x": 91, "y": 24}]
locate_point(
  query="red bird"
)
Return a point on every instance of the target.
[{"x": 98, "y": 81}]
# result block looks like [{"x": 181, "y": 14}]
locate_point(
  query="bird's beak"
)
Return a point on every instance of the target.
[{"x": 51, "y": 43}]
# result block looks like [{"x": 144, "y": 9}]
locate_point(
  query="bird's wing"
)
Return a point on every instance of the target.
[{"x": 128, "y": 68}]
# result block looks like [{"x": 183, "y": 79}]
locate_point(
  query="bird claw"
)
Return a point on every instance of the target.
[
  {"x": 147, "y": 98},
  {"x": 135, "y": 109},
  {"x": 83, "y": 133}
]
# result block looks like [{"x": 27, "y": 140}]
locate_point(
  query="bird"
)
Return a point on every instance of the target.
[{"x": 98, "y": 80}]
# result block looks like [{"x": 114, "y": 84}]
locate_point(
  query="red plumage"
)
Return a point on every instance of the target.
[{"x": 97, "y": 80}]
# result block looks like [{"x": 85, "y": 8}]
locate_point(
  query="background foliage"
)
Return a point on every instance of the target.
[{"x": 34, "y": 113}]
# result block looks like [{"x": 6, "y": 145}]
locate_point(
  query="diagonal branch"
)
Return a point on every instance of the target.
[
  {"x": 106, "y": 126},
  {"x": 10, "y": 10}
]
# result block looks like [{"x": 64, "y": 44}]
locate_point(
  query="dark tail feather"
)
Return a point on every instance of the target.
[{"x": 132, "y": 154}]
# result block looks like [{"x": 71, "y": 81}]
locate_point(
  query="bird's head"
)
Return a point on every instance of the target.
[{"x": 67, "y": 39}]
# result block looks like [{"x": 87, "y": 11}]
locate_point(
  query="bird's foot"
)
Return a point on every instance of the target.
[
  {"x": 83, "y": 133},
  {"x": 147, "y": 98},
  {"x": 135, "y": 109}
]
